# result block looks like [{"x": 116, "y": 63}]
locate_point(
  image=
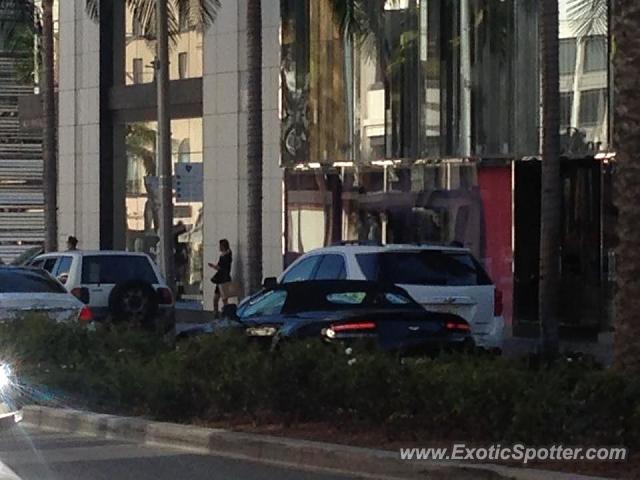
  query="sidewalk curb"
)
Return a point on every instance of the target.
[{"x": 302, "y": 454}]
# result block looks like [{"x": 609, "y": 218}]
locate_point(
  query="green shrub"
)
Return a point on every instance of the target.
[{"x": 210, "y": 378}]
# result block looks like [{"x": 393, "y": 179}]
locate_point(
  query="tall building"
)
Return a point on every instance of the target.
[{"x": 426, "y": 130}]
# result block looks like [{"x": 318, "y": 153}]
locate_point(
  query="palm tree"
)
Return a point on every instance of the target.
[
  {"x": 551, "y": 206},
  {"x": 49, "y": 147},
  {"x": 626, "y": 67},
  {"x": 588, "y": 17},
  {"x": 254, "y": 145}
]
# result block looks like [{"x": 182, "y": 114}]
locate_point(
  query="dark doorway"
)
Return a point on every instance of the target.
[{"x": 582, "y": 308}]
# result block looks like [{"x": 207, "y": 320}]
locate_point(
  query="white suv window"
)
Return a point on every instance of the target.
[
  {"x": 37, "y": 263},
  {"x": 115, "y": 269},
  {"x": 332, "y": 267},
  {"x": 47, "y": 264},
  {"x": 63, "y": 269},
  {"x": 426, "y": 267},
  {"x": 302, "y": 271}
]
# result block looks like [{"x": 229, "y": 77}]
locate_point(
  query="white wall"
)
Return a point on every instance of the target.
[{"x": 78, "y": 121}]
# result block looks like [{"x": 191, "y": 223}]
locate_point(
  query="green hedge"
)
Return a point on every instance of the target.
[{"x": 212, "y": 378}]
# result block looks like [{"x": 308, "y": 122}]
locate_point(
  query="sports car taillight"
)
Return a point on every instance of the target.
[
  {"x": 349, "y": 327},
  {"x": 81, "y": 294},
  {"x": 86, "y": 315},
  {"x": 458, "y": 326},
  {"x": 352, "y": 327}
]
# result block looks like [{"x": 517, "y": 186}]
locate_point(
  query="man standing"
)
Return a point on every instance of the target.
[{"x": 72, "y": 244}]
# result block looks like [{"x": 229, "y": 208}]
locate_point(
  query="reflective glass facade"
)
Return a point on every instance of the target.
[
  {"x": 417, "y": 131},
  {"x": 142, "y": 196},
  {"x": 584, "y": 81},
  {"x": 135, "y": 174},
  {"x": 428, "y": 80}
]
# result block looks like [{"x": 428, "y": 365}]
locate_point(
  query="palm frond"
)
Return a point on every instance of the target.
[
  {"x": 92, "y": 7},
  {"x": 16, "y": 17},
  {"x": 363, "y": 21},
  {"x": 588, "y": 17},
  {"x": 200, "y": 15}
]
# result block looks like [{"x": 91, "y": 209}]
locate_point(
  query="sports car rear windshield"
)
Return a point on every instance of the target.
[
  {"x": 23, "y": 281},
  {"x": 425, "y": 267},
  {"x": 115, "y": 269}
]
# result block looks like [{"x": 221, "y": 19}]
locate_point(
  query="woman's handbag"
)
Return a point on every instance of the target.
[{"x": 230, "y": 290}]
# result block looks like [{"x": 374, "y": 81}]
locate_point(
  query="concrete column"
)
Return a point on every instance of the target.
[
  {"x": 272, "y": 226},
  {"x": 78, "y": 124},
  {"x": 220, "y": 124}
]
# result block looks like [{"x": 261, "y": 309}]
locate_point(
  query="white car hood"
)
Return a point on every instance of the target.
[{"x": 57, "y": 306}]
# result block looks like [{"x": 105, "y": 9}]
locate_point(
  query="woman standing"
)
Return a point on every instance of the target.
[{"x": 222, "y": 275}]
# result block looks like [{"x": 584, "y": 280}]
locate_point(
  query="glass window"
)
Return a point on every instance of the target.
[
  {"x": 182, "y": 65},
  {"x": 138, "y": 71},
  {"x": 428, "y": 267},
  {"x": 566, "y": 107},
  {"x": 422, "y": 204},
  {"x": 25, "y": 281},
  {"x": 140, "y": 50},
  {"x": 567, "y": 56},
  {"x": 415, "y": 83},
  {"x": 595, "y": 56},
  {"x": 37, "y": 263},
  {"x": 302, "y": 271},
  {"x": 63, "y": 269},
  {"x": 347, "y": 298},
  {"x": 49, "y": 264},
  {"x": 331, "y": 267},
  {"x": 115, "y": 269},
  {"x": 592, "y": 106},
  {"x": 270, "y": 303},
  {"x": 184, "y": 151},
  {"x": 140, "y": 226},
  {"x": 397, "y": 299},
  {"x": 489, "y": 76},
  {"x": 369, "y": 265}
]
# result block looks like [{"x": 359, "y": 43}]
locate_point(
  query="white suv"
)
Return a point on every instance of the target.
[
  {"x": 442, "y": 279},
  {"x": 116, "y": 285}
]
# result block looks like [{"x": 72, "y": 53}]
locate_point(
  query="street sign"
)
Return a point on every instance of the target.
[{"x": 189, "y": 182}]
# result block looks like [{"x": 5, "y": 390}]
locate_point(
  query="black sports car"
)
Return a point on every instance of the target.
[{"x": 346, "y": 310}]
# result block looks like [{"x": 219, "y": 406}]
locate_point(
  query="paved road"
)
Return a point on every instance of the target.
[{"x": 34, "y": 455}]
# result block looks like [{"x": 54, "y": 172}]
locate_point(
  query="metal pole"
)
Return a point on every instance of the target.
[
  {"x": 465, "y": 79},
  {"x": 164, "y": 167}
]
